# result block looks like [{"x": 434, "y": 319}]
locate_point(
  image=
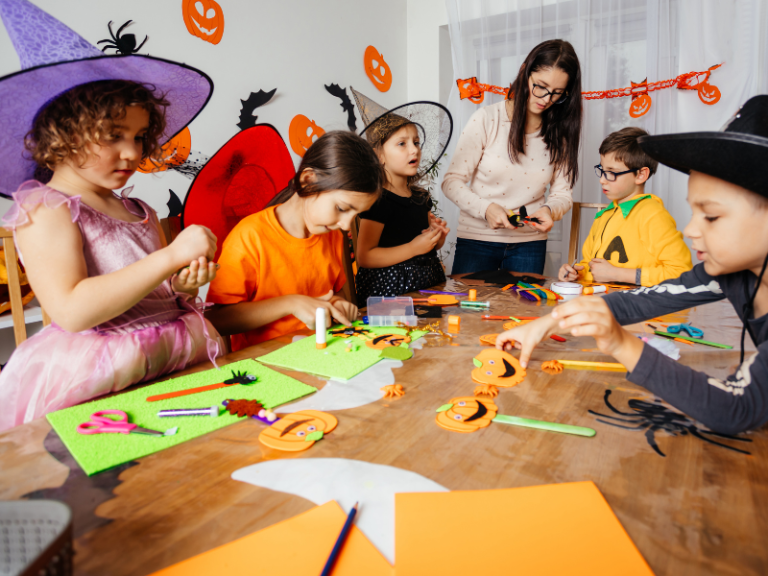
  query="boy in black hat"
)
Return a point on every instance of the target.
[{"x": 728, "y": 192}]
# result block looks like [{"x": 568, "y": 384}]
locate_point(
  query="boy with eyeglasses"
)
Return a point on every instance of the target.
[{"x": 634, "y": 240}]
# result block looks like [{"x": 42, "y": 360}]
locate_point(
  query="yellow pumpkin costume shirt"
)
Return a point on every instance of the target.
[{"x": 640, "y": 234}]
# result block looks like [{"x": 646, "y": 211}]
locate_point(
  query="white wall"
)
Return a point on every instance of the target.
[
  {"x": 424, "y": 20},
  {"x": 296, "y": 46}
]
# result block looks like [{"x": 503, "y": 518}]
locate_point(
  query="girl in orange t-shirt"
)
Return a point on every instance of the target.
[{"x": 281, "y": 264}]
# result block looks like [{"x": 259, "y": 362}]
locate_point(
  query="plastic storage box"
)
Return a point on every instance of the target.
[{"x": 388, "y": 311}]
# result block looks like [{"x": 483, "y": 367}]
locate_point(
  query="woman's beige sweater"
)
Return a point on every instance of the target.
[{"x": 481, "y": 173}]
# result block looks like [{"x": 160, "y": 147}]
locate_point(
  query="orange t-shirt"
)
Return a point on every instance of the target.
[{"x": 260, "y": 260}]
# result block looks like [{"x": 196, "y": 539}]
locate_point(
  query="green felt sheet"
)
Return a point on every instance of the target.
[
  {"x": 333, "y": 361},
  {"x": 97, "y": 452}
]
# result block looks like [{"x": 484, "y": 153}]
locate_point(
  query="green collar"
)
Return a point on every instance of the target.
[{"x": 626, "y": 207}]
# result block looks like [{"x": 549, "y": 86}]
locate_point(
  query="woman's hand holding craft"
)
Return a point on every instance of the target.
[
  {"x": 192, "y": 243},
  {"x": 197, "y": 274},
  {"x": 305, "y": 307},
  {"x": 545, "y": 215},
  {"x": 569, "y": 273},
  {"x": 425, "y": 241},
  {"x": 590, "y": 316},
  {"x": 526, "y": 337},
  {"x": 498, "y": 217}
]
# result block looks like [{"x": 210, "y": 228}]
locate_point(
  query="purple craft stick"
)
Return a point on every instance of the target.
[
  {"x": 438, "y": 292},
  {"x": 526, "y": 295}
]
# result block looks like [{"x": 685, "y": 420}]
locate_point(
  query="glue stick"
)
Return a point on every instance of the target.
[
  {"x": 595, "y": 289},
  {"x": 320, "y": 328}
]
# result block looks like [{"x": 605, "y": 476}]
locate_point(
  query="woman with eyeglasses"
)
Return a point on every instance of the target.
[{"x": 507, "y": 156}]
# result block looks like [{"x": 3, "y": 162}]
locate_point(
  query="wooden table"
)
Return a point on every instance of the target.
[{"x": 701, "y": 509}]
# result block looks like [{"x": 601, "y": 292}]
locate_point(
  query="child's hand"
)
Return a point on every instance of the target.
[
  {"x": 425, "y": 241},
  {"x": 590, "y": 316},
  {"x": 439, "y": 223},
  {"x": 602, "y": 270},
  {"x": 304, "y": 308},
  {"x": 526, "y": 337},
  {"x": 192, "y": 243},
  {"x": 569, "y": 273},
  {"x": 347, "y": 308},
  {"x": 197, "y": 274},
  {"x": 545, "y": 215}
]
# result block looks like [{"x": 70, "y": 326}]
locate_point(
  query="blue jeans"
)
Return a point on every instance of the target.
[{"x": 479, "y": 256}]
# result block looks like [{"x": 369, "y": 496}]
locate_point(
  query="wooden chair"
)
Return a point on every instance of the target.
[
  {"x": 350, "y": 293},
  {"x": 14, "y": 289},
  {"x": 573, "y": 247}
]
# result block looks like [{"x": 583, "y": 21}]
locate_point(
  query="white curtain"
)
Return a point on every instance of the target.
[{"x": 618, "y": 42}]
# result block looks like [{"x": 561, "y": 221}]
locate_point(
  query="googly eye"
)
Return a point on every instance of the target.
[
  {"x": 489, "y": 373},
  {"x": 301, "y": 433},
  {"x": 311, "y": 428},
  {"x": 491, "y": 362},
  {"x": 457, "y": 417},
  {"x": 462, "y": 403}
]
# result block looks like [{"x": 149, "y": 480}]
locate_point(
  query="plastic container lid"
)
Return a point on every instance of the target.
[
  {"x": 566, "y": 288},
  {"x": 389, "y": 311}
]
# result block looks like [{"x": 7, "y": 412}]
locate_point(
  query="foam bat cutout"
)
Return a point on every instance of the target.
[
  {"x": 256, "y": 99},
  {"x": 122, "y": 43},
  {"x": 346, "y": 104},
  {"x": 518, "y": 220},
  {"x": 174, "y": 205}
]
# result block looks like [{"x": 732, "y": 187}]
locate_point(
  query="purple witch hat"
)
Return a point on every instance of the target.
[{"x": 55, "y": 59}]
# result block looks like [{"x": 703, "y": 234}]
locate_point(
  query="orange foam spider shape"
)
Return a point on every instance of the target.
[
  {"x": 552, "y": 367},
  {"x": 486, "y": 390},
  {"x": 393, "y": 391}
]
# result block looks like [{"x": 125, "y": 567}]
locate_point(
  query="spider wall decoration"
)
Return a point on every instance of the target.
[
  {"x": 653, "y": 416},
  {"x": 122, "y": 43}
]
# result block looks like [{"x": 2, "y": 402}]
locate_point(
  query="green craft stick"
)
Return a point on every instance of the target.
[
  {"x": 697, "y": 340},
  {"x": 542, "y": 425}
]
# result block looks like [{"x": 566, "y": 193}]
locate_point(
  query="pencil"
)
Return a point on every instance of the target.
[
  {"x": 339, "y": 542},
  {"x": 697, "y": 340}
]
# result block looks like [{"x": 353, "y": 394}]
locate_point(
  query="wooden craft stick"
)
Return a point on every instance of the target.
[
  {"x": 583, "y": 363},
  {"x": 543, "y": 425},
  {"x": 697, "y": 340}
]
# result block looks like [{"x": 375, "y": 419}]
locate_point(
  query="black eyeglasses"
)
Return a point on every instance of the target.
[
  {"x": 554, "y": 97},
  {"x": 610, "y": 176}
]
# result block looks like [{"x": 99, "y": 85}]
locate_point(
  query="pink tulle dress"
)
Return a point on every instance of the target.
[{"x": 163, "y": 333}]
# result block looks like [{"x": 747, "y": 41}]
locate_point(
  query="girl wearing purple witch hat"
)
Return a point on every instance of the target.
[{"x": 97, "y": 261}]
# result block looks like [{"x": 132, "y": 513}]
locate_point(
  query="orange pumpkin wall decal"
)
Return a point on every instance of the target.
[
  {"x": 298, "y": 431},
  {"x": 204, "y": 19},
  {"x": 466, "y": 414},
  {"x": 497, "y": 368},
  {"x": 387, "y": 340},
  {"x": 708, "y": 94},
  {"x": 173, "y": 153},
  {"x": 302, "y": 132},
  {"x": 377, "y": 69},
  {"x": 640, "y": 106}
]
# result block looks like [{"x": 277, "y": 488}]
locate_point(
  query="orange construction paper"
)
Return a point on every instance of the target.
[
  {"x": 298, "y": 546},
  {"x": 554, "y": 530}
]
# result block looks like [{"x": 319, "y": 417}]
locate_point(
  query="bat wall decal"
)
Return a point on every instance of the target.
[
  {"x": 346, "y": 104},
  {"x": 256, "y": 99}
]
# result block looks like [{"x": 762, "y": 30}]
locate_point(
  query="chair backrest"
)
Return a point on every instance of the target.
[
  {"x": 573, "y": 247},
  {"x": 171, "y": 227},
  {"x": 350, "y": 247}
]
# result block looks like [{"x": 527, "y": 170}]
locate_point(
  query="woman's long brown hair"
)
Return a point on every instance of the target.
[{"x": 560, "y": 123}]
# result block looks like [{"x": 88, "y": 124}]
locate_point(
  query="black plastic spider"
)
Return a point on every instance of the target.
[
  {"x": 655, "y": 416},
  {"x": 125, "y": 44}
]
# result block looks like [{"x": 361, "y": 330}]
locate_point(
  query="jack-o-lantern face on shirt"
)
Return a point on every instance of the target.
[
  {"x": 174, "y": 153},
  {"x": 302, "y": 132},
  {"x": 204, "y": 19},
  {"x": 497, "y": 368},
  {"x": 377, "y": 69},
  {"x": 298, "y": 431},
  {"x": 466, "y": 414},
  {"x": 382, "y": 341}
]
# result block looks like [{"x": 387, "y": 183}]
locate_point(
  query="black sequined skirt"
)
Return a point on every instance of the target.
[{"x": 415, "y": 274}]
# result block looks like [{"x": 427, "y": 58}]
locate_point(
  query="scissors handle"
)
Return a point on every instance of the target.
[{"x": 101, "y": 423}]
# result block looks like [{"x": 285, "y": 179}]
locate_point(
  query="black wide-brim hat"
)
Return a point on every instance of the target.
[{"x": 738, "y": 154}]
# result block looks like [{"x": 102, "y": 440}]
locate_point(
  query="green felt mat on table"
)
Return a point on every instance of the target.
[
  {"x": 333, "y": 361},
  {"x": 97, "y": 452}
]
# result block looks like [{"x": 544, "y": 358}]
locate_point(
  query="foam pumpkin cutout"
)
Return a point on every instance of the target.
[
  {"x": 489, "y": 339},
  {"x": 640, "y": 106},
  {"x": 298, "y": 431},
  {"x": 173, "y": 153},
  {"x": 302, "y": 132},
  {"x": 466, "y": 414},
  {"x": 203, "y": 19},
  {"x": 708, "y": 94},
  {"x": 377, "y": 69},
  {"x": 387, "y": 340},
  {"x": 513, "y": 324},
  {"x": 497, "y": 368}
]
